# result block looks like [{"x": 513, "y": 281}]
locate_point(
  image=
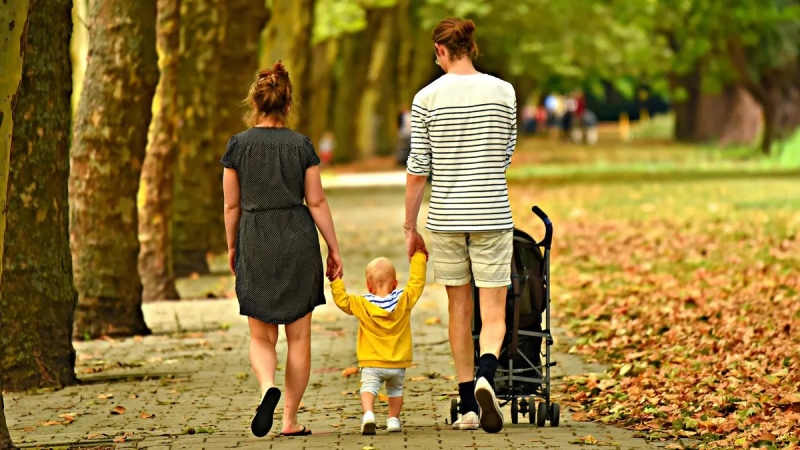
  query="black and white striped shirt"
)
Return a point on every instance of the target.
[{"x": 464, "y": 129}]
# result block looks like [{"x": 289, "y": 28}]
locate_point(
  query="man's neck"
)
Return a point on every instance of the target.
[{"x": 462, "y": 66}]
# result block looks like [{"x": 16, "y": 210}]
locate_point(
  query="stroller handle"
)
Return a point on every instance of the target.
[{"x": 548, "y": 227}]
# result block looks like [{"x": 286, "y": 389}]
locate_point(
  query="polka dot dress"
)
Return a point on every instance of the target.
[{"x": 279, "y": 275}]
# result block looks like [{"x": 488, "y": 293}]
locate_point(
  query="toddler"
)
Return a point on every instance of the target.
[{"x": 384, "y": 333}]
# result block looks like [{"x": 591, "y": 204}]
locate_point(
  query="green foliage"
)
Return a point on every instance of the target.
[{"x": 333, "y": 18}]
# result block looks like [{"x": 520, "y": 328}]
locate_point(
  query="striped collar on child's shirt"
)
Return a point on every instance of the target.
[{"x": 388, "y": 303}]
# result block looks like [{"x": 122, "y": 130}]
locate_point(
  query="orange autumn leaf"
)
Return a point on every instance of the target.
[
  {"x": 383, "y": 397},
  {"x": 349, "y": 372},
  {"x": 147, "y": 415},
  {"x": 118, "y": 410}
]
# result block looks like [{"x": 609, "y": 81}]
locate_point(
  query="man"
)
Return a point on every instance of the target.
[{"x": 464, "y": 128}]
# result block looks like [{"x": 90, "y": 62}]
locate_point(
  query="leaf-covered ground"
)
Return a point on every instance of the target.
[{"x": 691, "y": 291}]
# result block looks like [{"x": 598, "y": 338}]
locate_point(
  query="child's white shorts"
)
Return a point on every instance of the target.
[{"x": 373, "y": 377}]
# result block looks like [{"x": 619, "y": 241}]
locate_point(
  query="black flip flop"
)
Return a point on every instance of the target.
[
  {"x": 262, "y": 421},
  {"x": 304, "y": 432}
]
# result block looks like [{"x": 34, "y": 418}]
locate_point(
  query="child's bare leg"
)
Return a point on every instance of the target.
[
  {"x": 368, "y": 401},
  {"x": 395, "y": 405}
]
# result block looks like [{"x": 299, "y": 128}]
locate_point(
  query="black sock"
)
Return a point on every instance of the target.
[
  {"x": 466, "y": 391},
  {"x": 487, "y": 365}
]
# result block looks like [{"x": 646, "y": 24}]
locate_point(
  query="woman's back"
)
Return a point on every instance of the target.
[{"x": 271, "y": 164}]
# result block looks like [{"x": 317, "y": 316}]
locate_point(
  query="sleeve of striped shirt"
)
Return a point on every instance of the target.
[
  {"x": 512, "y": 137},
  {"x": 419, "y": 160}
]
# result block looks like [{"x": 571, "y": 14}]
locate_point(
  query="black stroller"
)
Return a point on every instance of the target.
[{"x": 521, "y": 377}]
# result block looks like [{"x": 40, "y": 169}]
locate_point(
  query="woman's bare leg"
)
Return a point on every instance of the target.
[
  {"x": 298, "y": 370},
  {"x": 263, "y": 358}
]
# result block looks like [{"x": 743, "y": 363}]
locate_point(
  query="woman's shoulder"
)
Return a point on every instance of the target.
[{"x": 273, "y": 136}]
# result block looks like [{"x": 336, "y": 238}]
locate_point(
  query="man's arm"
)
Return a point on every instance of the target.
[
  {"x": 512, "y": 137},
  {"x": 419, "y": 166}
]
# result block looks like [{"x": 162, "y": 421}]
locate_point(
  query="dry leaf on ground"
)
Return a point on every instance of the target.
[
  {"x": 118, "y": 410},
  {"x": 349, "y": 372}
]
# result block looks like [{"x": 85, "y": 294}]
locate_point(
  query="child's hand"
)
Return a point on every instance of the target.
[{"x": 334, "y": 276}]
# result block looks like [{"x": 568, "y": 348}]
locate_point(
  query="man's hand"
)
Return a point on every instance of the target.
[{"x": 415, "y": 243}]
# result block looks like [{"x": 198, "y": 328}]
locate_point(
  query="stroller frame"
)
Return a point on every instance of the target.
[{"x": 530, "y": 371}]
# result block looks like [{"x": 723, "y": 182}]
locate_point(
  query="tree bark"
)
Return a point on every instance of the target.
[
  {"x": 686, "y": 109},
  {"x": 776, "y": 89},
  {"x": 38, "y": 297},
  {"x": 155, "y": 214},
  {"x": 239, "y": 61},
  {"x": 13, "y": 29},
  {"x": 110, "y": 140},
  {"x": 288, "y": 38},
  {"x": 376, "y": 94},
  {"x": 324, "y": 55},
  {"x": 356, "y": 53},
  {"x": 197, "y": 169}
]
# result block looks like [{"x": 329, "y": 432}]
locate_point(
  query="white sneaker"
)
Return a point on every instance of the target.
[
  {"x": 368, "y": 424},
  {"x": 393, "y": 425},
  {"x": 468, "y": 421},
  {"x": 491, "y": 417}
]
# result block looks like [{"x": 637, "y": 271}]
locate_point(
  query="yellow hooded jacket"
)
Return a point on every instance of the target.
[{"x": 384, "y": 338}]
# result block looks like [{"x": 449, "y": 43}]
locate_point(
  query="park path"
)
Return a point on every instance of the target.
[{"x": 189, "y": 386}]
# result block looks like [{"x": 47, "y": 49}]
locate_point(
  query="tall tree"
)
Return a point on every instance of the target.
[
  {"x": 288, "y": 38},
  {"x": 244, "y": 20},
  {"x": 38, "y": 297},
  {"x": 13, "y": 27},
  {"x": 155, "y": 214},
  {"x": 199, "y": 66},
  {"x": 110, "y": 140}
]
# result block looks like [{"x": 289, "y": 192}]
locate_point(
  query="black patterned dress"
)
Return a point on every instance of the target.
[{"x": 279, "y": 276}]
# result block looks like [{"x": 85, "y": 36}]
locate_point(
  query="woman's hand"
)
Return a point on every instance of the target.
[
  {"x": 334, "y": 267},
  {"x": 232, "y": 259}
]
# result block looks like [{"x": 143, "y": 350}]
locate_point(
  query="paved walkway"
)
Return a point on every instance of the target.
[{"x": 189, "y": 386}]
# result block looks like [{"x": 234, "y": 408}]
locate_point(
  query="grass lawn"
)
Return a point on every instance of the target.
[{"x": 690, "y": 288}]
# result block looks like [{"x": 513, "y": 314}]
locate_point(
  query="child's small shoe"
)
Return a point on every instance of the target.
[
  {"x": 368, "y": 424},
  {"x": 393, "y": 425}
]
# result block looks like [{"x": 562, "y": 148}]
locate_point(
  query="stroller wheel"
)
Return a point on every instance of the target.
[
  {"x": 453, "y": 410},
  {"x": 555, "y": 413},
  {"x": 541, "y": 414},
  {"x": 531, "y": 415},
  {"x": 514, "y": 411}
]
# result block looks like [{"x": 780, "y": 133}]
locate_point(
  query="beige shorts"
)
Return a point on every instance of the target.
[{"x": 487, "y": 254}]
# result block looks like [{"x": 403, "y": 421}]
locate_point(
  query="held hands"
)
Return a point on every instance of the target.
[
  {"x": 415, "y": 243},
  {"x": 334, "y": 266}
]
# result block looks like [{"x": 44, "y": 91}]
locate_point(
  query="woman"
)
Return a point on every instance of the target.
[{"x": 273, "y": 246}]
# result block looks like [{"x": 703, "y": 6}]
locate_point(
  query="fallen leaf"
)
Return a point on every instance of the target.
[
  {"x": 29, "y": 429},
  {"x": 147, "y": 416},
  {"x": 68, "y": 418},
  {"x": 94, "y": 435},
  {"x": 50, "y": 423},
  {"x": 580, "y": 417},
  {"x": 349, "y": 372},
  {"x": 120, "y": 439},
  {"x": 383, "y": 397},
  {"x": 118, "y": 410},
  {"x": 433, "y": 320},
  {"x": 767, "y": 436},
  {"x": 105, "y": 396}
]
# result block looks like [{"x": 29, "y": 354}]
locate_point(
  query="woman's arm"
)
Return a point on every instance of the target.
[
  {"x": 321, "y": 213},
  {"x": 232, "y": 210}
]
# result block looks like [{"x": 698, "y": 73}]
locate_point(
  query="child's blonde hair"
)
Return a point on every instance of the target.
[{"x": 380, "y": 272}]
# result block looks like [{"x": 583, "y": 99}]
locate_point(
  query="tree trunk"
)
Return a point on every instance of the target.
[
  {"x": 110, "y": 141},
  {"x": 13, "y": 27},
  {"x": 376, "y": 94},
  {"x": 353, "y": 65},
  {"x": 239, "y": 65},
  {"x": 155, "y": 214},
  {"x": 198, "y": 170},
  {"x": 686, "y": 108},
  {"x": 318, "y": 106},
  {"x": 288, "y": 38},
  {"x": 38, "y": 297}
]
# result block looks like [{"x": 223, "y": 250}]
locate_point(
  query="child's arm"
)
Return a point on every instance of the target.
[
  {"x": 416, "y": 278},
  {"x": 346, "y": 302}
]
